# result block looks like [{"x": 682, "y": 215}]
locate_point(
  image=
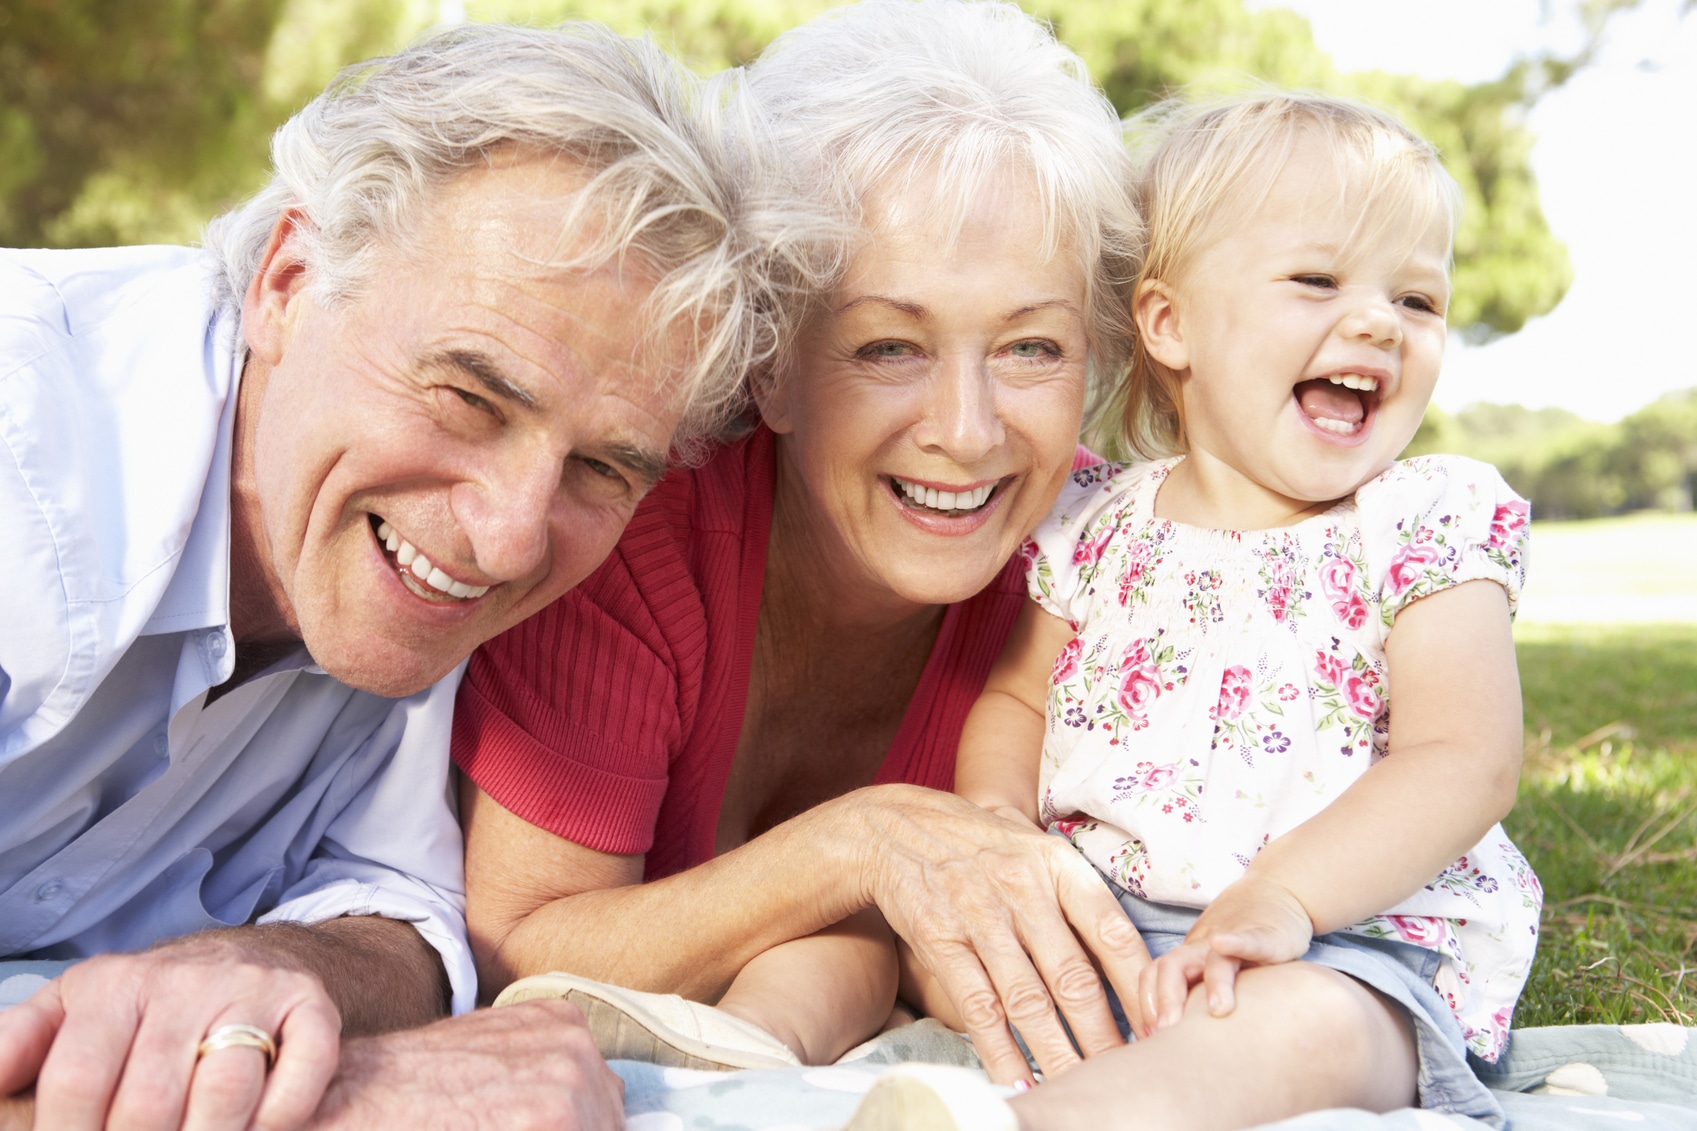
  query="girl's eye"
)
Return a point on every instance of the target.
[
  {"x": 1322, "y": 282},
  {"x": 1420, "y": 303}
]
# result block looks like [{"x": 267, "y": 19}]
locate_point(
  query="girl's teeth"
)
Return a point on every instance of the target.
[
  {"x": 1341, "y": 427},
  {"x": 1355, "y": 381}
]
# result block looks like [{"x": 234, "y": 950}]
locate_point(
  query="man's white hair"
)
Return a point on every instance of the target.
[
  {"x": 668, "y": 185},
  {"x": 969, "y": 93}
]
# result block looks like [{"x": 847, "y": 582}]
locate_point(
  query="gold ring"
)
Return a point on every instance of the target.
[{"x": 240, "y": 1037}]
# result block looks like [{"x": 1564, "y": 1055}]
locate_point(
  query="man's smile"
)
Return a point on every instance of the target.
[{"x": 417, "y": 572}]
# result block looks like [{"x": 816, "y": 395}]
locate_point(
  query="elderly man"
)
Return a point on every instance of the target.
[{"x": 256, "y": 515}]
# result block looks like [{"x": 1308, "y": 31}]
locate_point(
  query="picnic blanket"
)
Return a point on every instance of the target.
[{"x": 1570, "y": 1078}]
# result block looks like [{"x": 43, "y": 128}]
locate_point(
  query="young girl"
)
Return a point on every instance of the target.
[{"x": 1199, "y": 694}]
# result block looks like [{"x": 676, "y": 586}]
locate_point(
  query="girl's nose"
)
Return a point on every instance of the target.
[{"x": 1374, "y": 320}]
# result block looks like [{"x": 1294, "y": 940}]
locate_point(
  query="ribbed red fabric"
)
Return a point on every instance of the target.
[{"x": 611, "y": 717}]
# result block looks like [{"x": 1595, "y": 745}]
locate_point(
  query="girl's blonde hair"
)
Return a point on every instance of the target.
[{"x": 1209, "y": 161}]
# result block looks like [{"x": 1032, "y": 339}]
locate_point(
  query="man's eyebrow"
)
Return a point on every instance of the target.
[
  {"x": 647, "y": 464},
  {"x": 482, "y": 369}
]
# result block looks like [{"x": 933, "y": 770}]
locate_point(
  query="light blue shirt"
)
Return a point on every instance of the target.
[{"x": 130, "y": 811}]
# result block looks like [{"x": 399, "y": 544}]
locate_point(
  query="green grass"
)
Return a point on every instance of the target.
[{"x": 1608, "y": 816}]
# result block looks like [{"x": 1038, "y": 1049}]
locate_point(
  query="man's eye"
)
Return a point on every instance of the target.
[
  {"x": 604, "y": 470},
  {"x": 474, "y": 400}
]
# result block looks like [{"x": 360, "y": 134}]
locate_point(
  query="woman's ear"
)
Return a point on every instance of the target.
[
  {"x": 272, "y": 292},
  {"x": 770, "y": 387},
  {"x": 1158, "y": 325}
]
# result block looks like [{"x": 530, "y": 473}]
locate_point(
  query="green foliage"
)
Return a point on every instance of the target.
[
  {"x": 1608, "y": 817},
  {"x": 1573, "y": 468},
  {"x": 124, "y": 122}
]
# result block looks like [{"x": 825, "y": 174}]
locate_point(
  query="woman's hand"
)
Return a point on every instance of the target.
[
  {"x": 1254, "y": 922},
  {"x": 997, "y": 910}
]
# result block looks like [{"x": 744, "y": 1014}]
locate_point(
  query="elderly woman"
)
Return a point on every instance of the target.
[{"x": 715, "y": 744}]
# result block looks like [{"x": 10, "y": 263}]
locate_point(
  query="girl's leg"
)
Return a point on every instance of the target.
[
  {"x": 1302, "y": 1038},
  {"x": 823, "y": 994}
]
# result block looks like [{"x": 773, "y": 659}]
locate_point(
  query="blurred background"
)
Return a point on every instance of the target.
[{"x": 1572, "y": 128}]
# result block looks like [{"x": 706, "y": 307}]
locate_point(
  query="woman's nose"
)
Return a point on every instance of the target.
[{"x": 961, "y": 417}]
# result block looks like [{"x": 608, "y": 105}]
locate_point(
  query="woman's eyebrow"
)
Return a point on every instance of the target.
[{"x": 911, "y": 309}]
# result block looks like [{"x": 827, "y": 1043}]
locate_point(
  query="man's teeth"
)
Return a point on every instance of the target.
[
  {"x": 933, "y": 499},
  {"x": 1355, "y": 381},
  {"x": 1341, "y": 427},
  {"x": 415, "y": 563}
]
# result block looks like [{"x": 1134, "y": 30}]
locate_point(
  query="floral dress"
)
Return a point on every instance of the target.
[{"x": 1224, "y": 686}]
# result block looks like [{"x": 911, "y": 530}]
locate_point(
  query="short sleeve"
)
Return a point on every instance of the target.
[
  {"x": 568, "y": 720},
  {"x": 1433, "y": 522},
  {"x": 1064, "y": 553}
]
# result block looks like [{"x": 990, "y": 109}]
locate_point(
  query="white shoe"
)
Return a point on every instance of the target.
[
  {"x": 662, "y": 1029},
  {"x": 932, "y": 1097}
]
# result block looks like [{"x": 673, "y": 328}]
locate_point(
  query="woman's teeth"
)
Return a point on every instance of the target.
[
  {"x": 949, "y": 502},
  {"x": 420, "y": 569}
]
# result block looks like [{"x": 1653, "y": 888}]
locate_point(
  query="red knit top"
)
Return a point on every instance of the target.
[{"x": 611, "y": 717}]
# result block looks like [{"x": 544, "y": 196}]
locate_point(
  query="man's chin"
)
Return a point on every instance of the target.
[{"x": 393, "y": 672}]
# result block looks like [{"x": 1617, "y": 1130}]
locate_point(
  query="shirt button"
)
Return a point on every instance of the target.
[
  {"x": 49, "y": 890},
  {"x": 215, "y": 644},
  {"x": 161, "y": 744}
]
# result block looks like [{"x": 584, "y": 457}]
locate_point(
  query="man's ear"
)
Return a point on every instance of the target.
[
  {"x": 271, "y": 293},
  {"x": 770, "y": 387},
  {"x": 1158, "y": 325}
]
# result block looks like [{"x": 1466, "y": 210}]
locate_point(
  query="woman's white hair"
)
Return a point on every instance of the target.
[
  {"x": 964, "y": 92},
  {"x": 667, "y": 185}
]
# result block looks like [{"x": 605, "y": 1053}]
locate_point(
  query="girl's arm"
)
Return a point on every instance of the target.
[
  {"x": 1450, "y": 774},
  {"x": 1002, "y": 741}
]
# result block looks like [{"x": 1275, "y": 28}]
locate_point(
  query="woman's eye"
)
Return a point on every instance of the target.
[
  {"x": 1033, "y": 349},
  {"x": 887, "y": 349}
]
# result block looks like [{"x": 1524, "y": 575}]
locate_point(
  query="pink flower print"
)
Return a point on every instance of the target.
[
  {"x": 1409, "y": 563},
  {"x": 1363, "y": 700},
  {"x": 1337, "y": 578},
  {"x": 1420, "y": 930},
  {"x": 1509, "y": 519},
  {"x": 1140, "y": 681},
  {"x": 1328, "y": 667},
  {"x": 1159, "y": 776},
  {"x": 1090, "y": 552},
  {"x": 1288, "y": 692},
  {"x": 1234, "y": 693},
  {"x": 1278, "y": 602},
  {"x": 1029, "y": 553},
  {"x": 1352, "y": 612},
  {"x": 1136, "y": 565},
  {"x": 1066, "y": 664}
]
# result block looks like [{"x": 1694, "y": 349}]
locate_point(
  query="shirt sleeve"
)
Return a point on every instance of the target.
[
  {"x": 1064, "y": 553},
  {"x": 568, "y": 719},
  {"x": 1433, "y": 522},
  {"x": 393, "y": 848}
]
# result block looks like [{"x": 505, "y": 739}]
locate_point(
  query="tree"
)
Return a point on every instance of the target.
[{"x": 125, "y": 122}]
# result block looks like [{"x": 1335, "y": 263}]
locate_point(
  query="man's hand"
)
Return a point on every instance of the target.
[
  {"x": 997, "y": 910},
  {"x": 115, "y": 1040},
  {"x": 531, "y": 1065},
  {"x": 1253, "y": 922}
]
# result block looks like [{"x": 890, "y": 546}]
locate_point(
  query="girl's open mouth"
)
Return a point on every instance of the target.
[{"x": 1339, "y": 403}]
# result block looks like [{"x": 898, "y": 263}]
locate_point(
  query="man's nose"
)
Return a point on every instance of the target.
[
  {"x": 961, "y": 418},
  {"x": 505, "y": 513}
]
